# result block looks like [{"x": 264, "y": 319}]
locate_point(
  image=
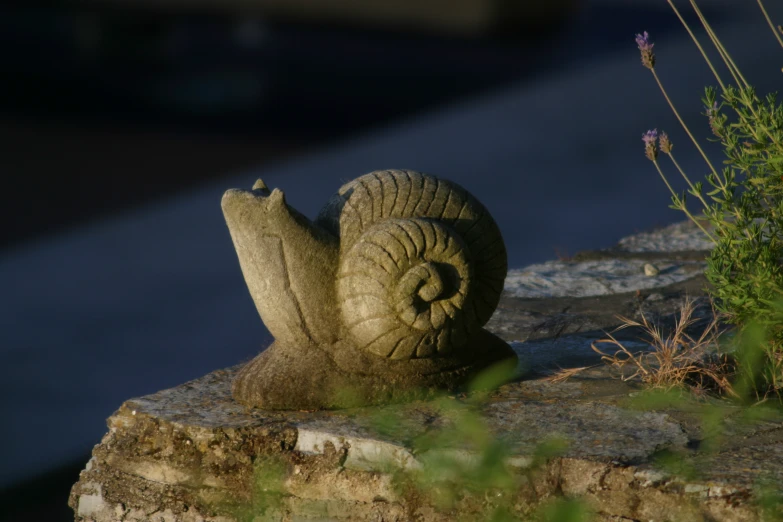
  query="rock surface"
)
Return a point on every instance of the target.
[{"x": 192, "y": 453}]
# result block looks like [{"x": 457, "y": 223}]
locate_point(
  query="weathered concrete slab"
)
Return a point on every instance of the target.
[
  {"x": 191, "y": 453},
  {"x": 586, "y": 293},
  {"x": 523, "y": 319},
  {"x": 591, "y": 278},
  {"x": 677, "y": 237}
]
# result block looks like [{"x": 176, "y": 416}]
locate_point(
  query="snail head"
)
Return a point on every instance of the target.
[{"x": 257, "y": 207}]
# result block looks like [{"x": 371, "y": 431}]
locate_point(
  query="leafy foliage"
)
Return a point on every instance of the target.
[
  {"x": 464, "y": 469},
  {"x": 742, "y": 209}
]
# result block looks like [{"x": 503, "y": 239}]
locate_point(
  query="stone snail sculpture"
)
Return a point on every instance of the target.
[{"x": 382, "y": 298}]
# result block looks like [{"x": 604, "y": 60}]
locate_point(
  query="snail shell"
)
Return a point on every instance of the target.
[{"x": 422, "y": 263}]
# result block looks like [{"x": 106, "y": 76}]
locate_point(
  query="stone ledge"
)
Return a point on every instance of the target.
[
  {"x": 188, "y": 453},
  {"x": 191, "y": 453}
]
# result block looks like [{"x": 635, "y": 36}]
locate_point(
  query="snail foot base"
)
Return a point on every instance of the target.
[{"x": 288, "y": 377}]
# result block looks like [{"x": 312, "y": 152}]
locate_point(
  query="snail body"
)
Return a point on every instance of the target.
[{"x": 386, "y": 291}]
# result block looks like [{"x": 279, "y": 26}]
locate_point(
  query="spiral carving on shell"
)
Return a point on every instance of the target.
[{"x": 422, "y": 263}]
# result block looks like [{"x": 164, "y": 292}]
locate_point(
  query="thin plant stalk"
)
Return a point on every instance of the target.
[
  {"x": 679, "y": 118},
  {"x": 687, "y": 180},
  {"x": 769, "y": 21},
  {"x": 730, "y": 65},
  {"x": 563, "y": 374},
  {"x": 725, "y": 56},
  {"x": 684, "y": 209},
  {"x": 698, "y": 45}
]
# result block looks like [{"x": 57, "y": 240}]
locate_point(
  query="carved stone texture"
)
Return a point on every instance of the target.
[{"x": 381, "y": 299}]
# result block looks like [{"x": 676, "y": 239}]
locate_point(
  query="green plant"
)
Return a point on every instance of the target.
[
  {"x": 742, "y": 208},
  {"x": 464, "y": 467},
  {"x": 267, "y": 495}
]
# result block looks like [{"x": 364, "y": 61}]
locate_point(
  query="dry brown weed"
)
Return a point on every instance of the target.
[
  {"x": 563, "y": 374},
  {"x": 676, "y": 360}
]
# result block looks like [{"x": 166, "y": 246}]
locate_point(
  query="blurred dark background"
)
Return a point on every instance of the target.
[
  {"x": 110, "y": 106},
  {"x": 134, "y": 100}
]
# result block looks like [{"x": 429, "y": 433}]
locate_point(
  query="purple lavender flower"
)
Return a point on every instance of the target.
[
  {"x": 646, "y": 48},
  {"x": 665, "y": 144},
  {"x": 650, "y": 148},
  {"x": 643, "y": 41},
  {"x": 713, "y": 116}
]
